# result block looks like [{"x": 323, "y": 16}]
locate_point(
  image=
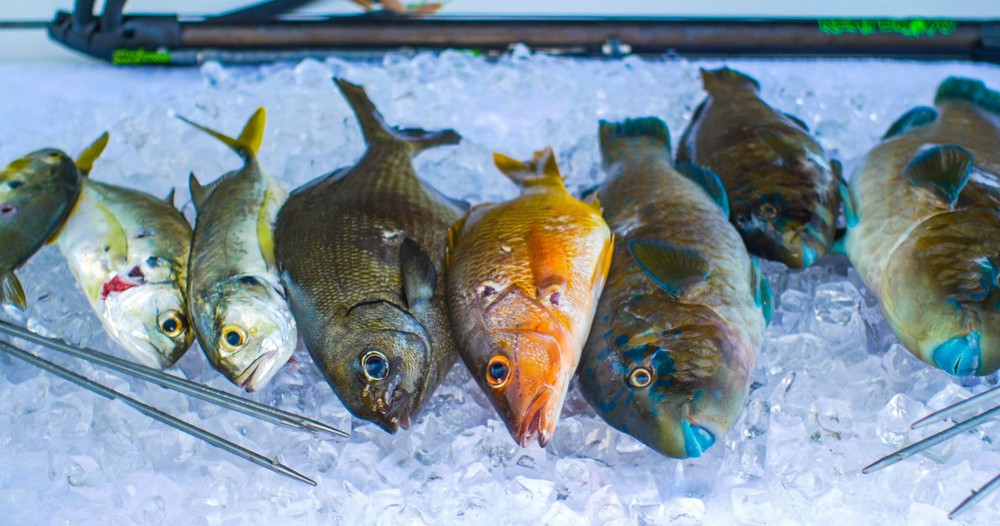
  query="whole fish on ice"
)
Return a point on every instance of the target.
[
  {"x": 129, "y": 252},
  {"x": 361, "y": 253},
  {"x": 236, "y": 300},
  {"x": 681, "y": 321},
  {"x": 37, "y": 192},
  {"x": 782, "y": 190},
  {"x": 523, "y": 281},
  {"x": 924, "y": 228}
]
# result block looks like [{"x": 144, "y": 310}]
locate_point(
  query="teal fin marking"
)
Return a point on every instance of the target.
[
  {"x": 970, "y": 90},
  {"x": 673, "y": 268},
  {"x": 708, "y": 180},
  {"x": 839, "y": 246},
  {"x": 763, "y": 298},
  {"x": 809, "y": 255},
  {"x": 697, "y": 439},
  {"x": 915, "y": 118},
  {"x": 959, "y": 356},
  {"x": 943, "y": 170}
]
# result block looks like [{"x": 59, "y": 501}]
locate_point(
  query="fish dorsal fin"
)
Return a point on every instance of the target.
[
  {"x": 453, "y": 233},
  {"x": 170, "y": 196},
  {"x": 674, "y": 268},
  {"x": 198, "y": 192},
  {"x": 715, "y": 79},
  {"x": 549, "y": 262},
  {"x": 418, "y": 272},
  {"x": 541, "y": 170},
  {"x": 265, "y": 228},
  {"x": 248, "y": 143},
  {"x": 709, "y": 181},
  {"x": 915, "y": 118},
  {"x": 11, "y": 291},
  {"x": 763, "y": 298},
  {"x": 850, "y": 207},
  {"x": 375, "y": 129},
  {"x": 797, "y": 121},
  {"x": 943, "y": 170},
  {"x": 784, "y": 146},
  {"x": 85, "y": 162}
]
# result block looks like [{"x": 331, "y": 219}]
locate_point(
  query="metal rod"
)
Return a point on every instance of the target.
[
  {"x": 976, "y": 496},
  {"x": 957, "y": 407},
  {"x": 168, "y": 381},
  {"x": 156, "y": 414},
  {"x": 24, "y": 24}
]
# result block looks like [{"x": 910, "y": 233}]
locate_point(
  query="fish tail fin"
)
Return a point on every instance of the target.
[
  {"x": 249, "y": 141},
  {"x": 969, "y": 90},
  {"x": 541, "y": 170},
  {"x": 85, "y": 162},
  {"x": 11, "y": 292},
  {"x": 716, "y": 79},
  {"x": 618, "y": 137},
  {"x": 375, "y": 129}
]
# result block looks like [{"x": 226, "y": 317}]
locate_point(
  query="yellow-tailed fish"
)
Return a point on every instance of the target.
[
  {"x": 924, "y": 228},
  {"x": 236, "y": 300},
  {"x": 681, "y": 321},
  {"x": 361, "y": 252},
  {"x": 782, "y": 190},
  {"x": 523, "y": 281},
  {"x": 129, "y": 252},
  {"x": 37, "y": 192}
]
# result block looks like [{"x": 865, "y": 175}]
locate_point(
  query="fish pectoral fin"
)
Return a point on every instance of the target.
[
  {"x": 850, "y": 207},
  {"x": 674, "y": 268},
  {"x": 709, "y": 181},
  {"x": 265, "y": 228},
  {"x": 604, "y": 264},
  {"x": 116, "y": 244},
  {"x": 250, "y": 139},
  {"x": 915, "y": 118},
  {"x": 419, "y": 274},
  {"x": 85, "y": 162},
  {"x": 548, "y": 259},
  {"x": 763, "y": 298},
  {"x": 785, "y": 147},
  {"x": 11, "y": 291},
  {"x": 797, "y": 121},
  {"x": 943, "y": 170},
  {"x": 453, "y": 232}
]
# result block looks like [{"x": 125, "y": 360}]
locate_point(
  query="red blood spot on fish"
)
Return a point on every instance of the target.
[
  {"x": 292, "y": 360},
  {"x": 117, "y": 284},
  {"x": 136, "y": 272}
]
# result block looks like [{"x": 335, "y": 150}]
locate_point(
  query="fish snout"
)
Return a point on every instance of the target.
[
  {"x": 400, "y": 411},
  {"x": 959, "y": 356}
]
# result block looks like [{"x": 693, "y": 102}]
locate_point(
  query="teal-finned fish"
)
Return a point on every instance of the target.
[
  {"x": 361, "y": 253},
  {"x": 782, "y": 189},
  {"x": 129, "y": 253},
  {"x": 924, "y": 228},
  {"x": 37, "y": 192},
  {"x": 237, "y": 303},
  {"x": 681, "y": 321}
]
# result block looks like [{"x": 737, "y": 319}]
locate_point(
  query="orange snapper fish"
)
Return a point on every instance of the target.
[{"x": 524, "y": 277}]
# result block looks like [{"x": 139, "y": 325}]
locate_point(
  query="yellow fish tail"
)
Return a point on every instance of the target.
[
  {"x": 541, "y": 170},
  {"x": 85, "y": 162},
  {"x": 250, "y": 139}
]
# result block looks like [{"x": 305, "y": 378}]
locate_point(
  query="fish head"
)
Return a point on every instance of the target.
[
  {"x": 381, "y": 364},
  {"x": 669, "y": 378},
  {"x": 793, "y": 227},
  {"x": 150, "y": 321},
  {"x": 517, "y": 355},
  {"x": 38, "y": 172},
  {"x": 251, "y": 332}
]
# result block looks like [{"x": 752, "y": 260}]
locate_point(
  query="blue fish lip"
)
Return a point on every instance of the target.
[
  {"x": 960, "y": 355},
  {"x": 809, "y": 255},
  {"x": 696, "y": 439}
]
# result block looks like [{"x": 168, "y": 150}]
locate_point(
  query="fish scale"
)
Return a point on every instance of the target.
[{"x": 340, "y": 244}]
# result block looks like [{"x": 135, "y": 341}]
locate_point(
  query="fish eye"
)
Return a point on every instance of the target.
[
  {"x": 14, "y": 184},
  {"x": 498, "y": 371},
  {"x": 171, "y": 324},
  {"x": 640, "y": 377},
  {"x": 374, "y": 365},
  {"x": 233, "y": 337},
  {"x": 768, "y": 211}
]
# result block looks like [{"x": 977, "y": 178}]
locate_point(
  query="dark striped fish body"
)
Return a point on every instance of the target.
[
  {"x": 924, "y": 228},
  {"x": 361, "y": 253},
  {"x": 782, "y": 189},
  {"x": 37, "y": 193},
  {"x": 681, "y": 321}
]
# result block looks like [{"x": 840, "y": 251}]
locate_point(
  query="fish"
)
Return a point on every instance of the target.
[
  {"x": 361, "y": 252},
  {"x": 681, "y": 321},
  {"x": 782, "y": 188},
  {"x": 129, "y": 253},
  {"x": 37, "y": 193},
  {"x": 237, "y": 302},
  {"x": 524, "y": 276},
  {"x": 923, "y": 228}
]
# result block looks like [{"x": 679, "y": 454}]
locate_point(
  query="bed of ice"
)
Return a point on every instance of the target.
[{"x": 833, "y": 389}]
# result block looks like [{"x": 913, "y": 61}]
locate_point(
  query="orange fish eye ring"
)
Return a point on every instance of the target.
[
  {"x": 640, "y": 377},
  {"x": 498, "y": 371},
  {"x": 768, "y": 211}
]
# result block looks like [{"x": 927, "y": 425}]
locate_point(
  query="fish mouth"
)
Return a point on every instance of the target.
[
  {"x": 257, "y": 373},
  {"x": 535, "y": 423},
  {"x": 399, "y": 416}
]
